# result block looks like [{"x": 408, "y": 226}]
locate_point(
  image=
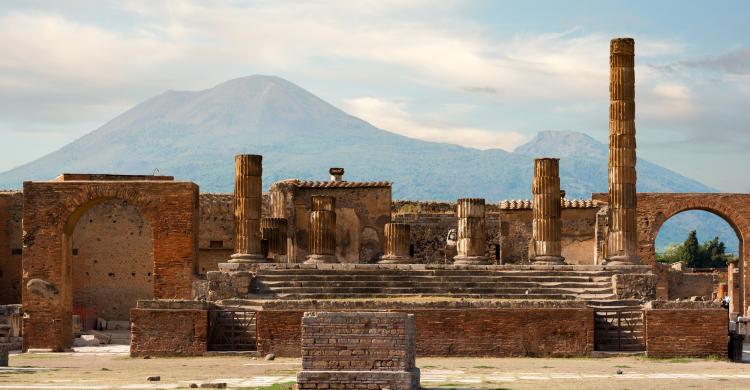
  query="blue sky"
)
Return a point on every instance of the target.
[{"x": 481, "y": 74}]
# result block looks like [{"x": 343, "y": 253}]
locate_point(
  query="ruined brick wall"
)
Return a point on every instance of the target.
[
  {"x": 168, "y": 332},
  {"x": 675, "y": 332},
  {"x": 508, "y": 228},
  {"x": 112, "y": 259},
  {"x": 11, "y": 247},
  {"x": 495, "y": 332},
  {"x": 656, "y": 208},
  {"x": 216, "y": 232},
  {"x": 51, "y": 212},
  {"x": 361, "y": 214},
  {"x": 358, "y": 341}
]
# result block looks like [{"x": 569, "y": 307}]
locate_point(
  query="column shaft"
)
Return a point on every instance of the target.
[
  {"x": 322, "y": 231},
  {"x": 397, "y": 240},
  {"x": 471, "y": 244},
  {"x": 546, "y": 211},
  {"x": 274, "y": 231},
  {"x": 248, "y": 198},
  {"x": 622, "y": 240}
]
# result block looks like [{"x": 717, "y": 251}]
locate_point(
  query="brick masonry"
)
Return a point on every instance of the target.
[
  {"x": 686, "y": 332},
  {"x": 51, "y": 212},
  {"x": 490, "y": 332},
  {"x": 11, "y": 207},
  {"x": 168, "y": 332},
  {"x": 367, "y": 350}
]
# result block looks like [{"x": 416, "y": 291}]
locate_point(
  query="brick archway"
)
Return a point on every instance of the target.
[
  {"x": 656, "y": 208},
  {"x": 51, "y": 212}
]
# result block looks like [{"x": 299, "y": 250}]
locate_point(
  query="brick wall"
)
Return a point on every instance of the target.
[
  {"x": 492, "y": 332},
  {"x": 358, "y": 341},
  {"x": 11, "y": 207},
  {"x": 168, "y": 332},
  {"x": 686, "y": 332}
]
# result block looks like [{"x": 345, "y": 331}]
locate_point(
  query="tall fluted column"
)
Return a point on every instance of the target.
[
  {"x": 623, "y": 235},
  {"x": 397, "y": 239},
  {"x": 321, "y": 244},
  {"x": 472, "y": 243},
  {"x": 248, "y": 197},
  {"x": 546, "y": 223},
  {"x": 274, "y": 230}
]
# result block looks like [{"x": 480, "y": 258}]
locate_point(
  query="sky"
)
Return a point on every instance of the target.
[{"x": 483, "y": 74}]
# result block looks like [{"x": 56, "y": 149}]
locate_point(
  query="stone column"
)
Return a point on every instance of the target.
[
  {"x": 472, "y": 243},
  {"x": 397, "y": 239},
  {"x": 546, "y": 224},
  {"x": 274, "y": 230},
  {"x": 248, "y": 196},
  {"x": 622, "y": 240},
  {"x": 321, "y": 244}
]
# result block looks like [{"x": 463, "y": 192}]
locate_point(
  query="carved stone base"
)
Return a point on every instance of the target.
[
  {"x": 471, "y": 260},
  {"x": 548, "y": 260},
  {"x": 318, "y": 259},
  {"x": 395, "y": 260},
  {"x": 248, "y": 258},
  {"x": 623, "y": 260}
]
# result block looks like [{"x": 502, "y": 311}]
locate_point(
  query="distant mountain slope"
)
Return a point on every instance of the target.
[{"x": 194, "y": 136}]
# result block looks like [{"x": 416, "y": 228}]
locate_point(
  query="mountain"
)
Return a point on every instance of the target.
[{"x": 193, "y": 135}]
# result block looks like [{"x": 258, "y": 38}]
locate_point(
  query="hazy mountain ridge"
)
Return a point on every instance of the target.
[{"x": 193, "y": 135}]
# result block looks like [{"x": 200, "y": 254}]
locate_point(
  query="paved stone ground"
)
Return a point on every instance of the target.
[{"x": 112, "y": 368}]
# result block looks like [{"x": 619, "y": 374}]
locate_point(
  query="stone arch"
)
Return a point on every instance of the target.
[{"x": 51, "y": 212}]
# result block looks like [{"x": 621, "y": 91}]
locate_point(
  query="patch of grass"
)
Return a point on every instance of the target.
[
  {"x": 685, "y": 359},
  {"x": 482, "y": 367},
  {"x": 282, "y": 372},
  {"x": 623, "y": 366},
  {"x": 275, "y": 386}
]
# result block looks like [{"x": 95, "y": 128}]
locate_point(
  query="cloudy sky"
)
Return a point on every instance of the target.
[{"x": 484, "y": 74}]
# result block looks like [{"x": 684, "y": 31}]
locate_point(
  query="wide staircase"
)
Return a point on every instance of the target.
[{"x": 301, "y": 283}]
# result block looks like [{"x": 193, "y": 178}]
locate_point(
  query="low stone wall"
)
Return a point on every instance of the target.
[
  {"x": 351, "y": 350},
  {"x": 498, "y": 329},
  {"x": 169, "y": 328},
  {"x": 676, "y": 329}
]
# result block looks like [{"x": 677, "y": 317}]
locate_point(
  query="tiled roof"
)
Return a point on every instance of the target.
[
  {"x": 333, "y": 184},
  {"x": 521, "y": 204}
]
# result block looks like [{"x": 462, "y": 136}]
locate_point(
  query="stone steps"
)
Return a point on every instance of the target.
[
  {"x": 431, "y": 283},
  {"x": 419, "y": 290},
  {"x": 316, "y": 295}
]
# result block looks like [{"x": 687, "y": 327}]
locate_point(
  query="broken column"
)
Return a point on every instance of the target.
[
  {"x": 546, "y": 224},
  {"x": 248, "y": 197},
  {"x": 322, "y": 231},
  {"x": 622, "y": 239},
  {"x": 471, "y": 246},
  {"x": 274, "y": 231},
  {"x": 397, "y": 240}
]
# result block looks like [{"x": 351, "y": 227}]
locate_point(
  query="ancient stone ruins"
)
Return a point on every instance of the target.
[{"x": 356, "y": 283}]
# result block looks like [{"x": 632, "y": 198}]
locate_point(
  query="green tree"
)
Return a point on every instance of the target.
[{"x": 710, "y": 254}]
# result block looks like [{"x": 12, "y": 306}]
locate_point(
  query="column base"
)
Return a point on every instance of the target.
[
  {"x": 471, "y": 260},
  {"x": 249, "y": 258},
  {"x": 623, "y": 260},
  {"x": 548, "y": 260},
  {"x": 396, "y": 260},
  {"x": 321, "y": 259}
]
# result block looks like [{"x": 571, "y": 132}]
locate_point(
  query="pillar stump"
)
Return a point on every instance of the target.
[
  {"x": 397, "y": 239},
  {"x": 248, "y": 198},
  {"x": 471, "y": 244},
  {"x": 546, "y": 208},
  {"x": 622, "y": 239},
  {"x": 274, "y": 231},
  {"x": 322, "y": 231}
]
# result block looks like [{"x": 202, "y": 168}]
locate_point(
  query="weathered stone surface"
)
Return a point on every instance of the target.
[
  {"x": 322, "y": 233},
  {"x": 635, "y": 286},
  {"x": 248, "y": 198},
  {"x": 471, "y": 245},
  {"x": 397, "y": 240},
  {"x": 168, "y": 332},
  {"x": 546, "y": 210},
  {"x": 623, "y": 234}
]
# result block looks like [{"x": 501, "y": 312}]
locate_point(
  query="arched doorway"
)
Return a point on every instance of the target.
[
  {"x": 111, "y": 257},
  {"x": 701, "y": 241}
]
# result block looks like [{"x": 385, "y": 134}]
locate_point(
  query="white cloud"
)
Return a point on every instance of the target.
[{"x": 394, "y": 117}]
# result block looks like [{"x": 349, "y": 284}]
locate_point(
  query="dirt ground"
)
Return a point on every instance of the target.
[{"x": 114, "y": 369}]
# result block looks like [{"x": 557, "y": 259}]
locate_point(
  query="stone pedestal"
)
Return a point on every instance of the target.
[
  {"x": 546, "y": 224},
  {"x": 274, "y": 231},
  {"x": 248, "y": 198},
  {"x": 622, "y": 239},
  {"x": 321, "y": 244},
  {"x": 471, "y": 244},
  {"x": 397, "y": 239}
]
